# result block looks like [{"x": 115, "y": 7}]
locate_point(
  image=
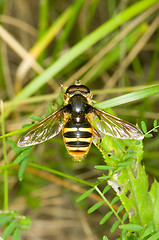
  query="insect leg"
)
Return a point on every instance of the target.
[{"x": 97, "y": 140}]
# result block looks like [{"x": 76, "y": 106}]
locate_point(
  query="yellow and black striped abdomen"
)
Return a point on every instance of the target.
[{"x": 77, "y": 138}]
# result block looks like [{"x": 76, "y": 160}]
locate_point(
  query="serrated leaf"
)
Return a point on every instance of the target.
[
  {"x": 106, "y": 189},
  {"x": 36, "y": 118},
  {"x": 131, "y": 227},
  {"x": 14, "y": 146},
  {"x": 120, "y": 208},
  {"x": 143, "y": 126},
  {"x": 115, "y": 225},
  {"x": 9, "y": 229},
  {"x": 115, "y": 199},
  {"x": 16, "y": 234},
  {"x": 95, "y": 207},
  {"x": 155, "y": 123},
  {"x": 125, "y": 217},
  {"x": 85, "y": 195},
  {"x": 22, "y": 168},
  {"x": 106, "y": 217},
  {"x": 23, "y": 155},
  {"x": 5, "y": 219},
  {"x": 104, "y": 167},
  {"x": 154, "y": 237}
]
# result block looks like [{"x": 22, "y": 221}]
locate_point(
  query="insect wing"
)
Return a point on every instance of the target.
[
  {"x": 42, "y": 131},
  {"x": 116, "y": 127}
]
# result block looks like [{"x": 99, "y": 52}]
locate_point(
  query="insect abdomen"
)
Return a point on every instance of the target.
[{"x": 78, "y": 139}]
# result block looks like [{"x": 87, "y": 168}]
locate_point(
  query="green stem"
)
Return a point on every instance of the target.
[
  {"x": 37, "y": 166},
  {"x": 5, "y": 161},
  {"x": 152, "y": 130},
  {"x": 108, "y": 203}
]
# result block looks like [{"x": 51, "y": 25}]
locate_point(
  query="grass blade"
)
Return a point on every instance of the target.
[{"x": 129, "y": 97}]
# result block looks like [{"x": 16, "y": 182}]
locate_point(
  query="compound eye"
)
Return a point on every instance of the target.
[
  {"x": 81, "y": 88},
  {"x": 72, "y": 89}
]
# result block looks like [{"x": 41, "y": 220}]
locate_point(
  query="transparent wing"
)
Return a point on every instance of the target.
[
  {"x": 42, "y": 131},
  {"x": 115, "y": 127}
]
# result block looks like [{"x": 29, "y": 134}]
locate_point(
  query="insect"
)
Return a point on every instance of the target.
[{"x": 81, "y": 124}]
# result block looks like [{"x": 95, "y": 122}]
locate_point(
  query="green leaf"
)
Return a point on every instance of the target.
[
  {"x": 121, "y": 207},
  {"x": 22, "y": 168},
  {"x": 155, "y": 123},
  {"x": 154, "y": 237},
  {"x": 125, "y": 217},
  {"x": 127, "y": 98},
  {"x": 22, "y": 130},
  {"x": 154, "y": 194},
  {"x": 5, "y": 219},
  {"x": 148, "y": 135},
  {"x": 85, "y": 195},
  {"x": 106, "y": 217},
  {"x": 120, "y": 146},
  {"x": 123, "y": 235},
  {"x": 14, "y": 146},
  {"x": 125, "y": 164},
  {"x": 9, "y": 229},
  {"x": 103, "y": 178},
  {"x": 129, "y": 155},
  {"x": 115, "y": 225},
  {"x": 24, "y": 223},
  {"x": 95, "y": 207},
  {"x": 105, "y": 238},
  {"x": 115, "y": 199},
  {"x": 119, "y": 169},
  {"x": 155, "y": 130},
  {"x": 147, "y": 232},
  {"x": 36, "y": 118},
  {"x": 104, "y": 167},
  {"x": 144, "y": 127},
  {"x": 115, "y": 157},
  {"x": 106, "y": 189},
  {"x": 131, "y": 227},
  {"x": 16, "y": 234},
  {"x": 23, "y": 155},
  {"x": 81, "y": 47}
]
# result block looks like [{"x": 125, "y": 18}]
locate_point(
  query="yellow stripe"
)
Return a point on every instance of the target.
[
  {"x": 85, "y": 130},
  {"x": 69, "y": 130},
  {"x": 71, "y": 139},
  {"x": 78, "y": 139},
  {"x": 84, "y": 139},
  {"x": 77, "y": 148}
]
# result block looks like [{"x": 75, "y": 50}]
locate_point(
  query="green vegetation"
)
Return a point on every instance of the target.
[{"x": 112, "y": 46}]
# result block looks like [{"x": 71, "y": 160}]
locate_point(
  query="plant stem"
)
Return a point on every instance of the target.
[
  {"x": 37, "y": 166},
  {"x": 5, "y": 161},
  {"x": 107, "y": 202}
]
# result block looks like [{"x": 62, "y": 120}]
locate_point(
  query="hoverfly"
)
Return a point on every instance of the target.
[{"x": 76, "y": 120}]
